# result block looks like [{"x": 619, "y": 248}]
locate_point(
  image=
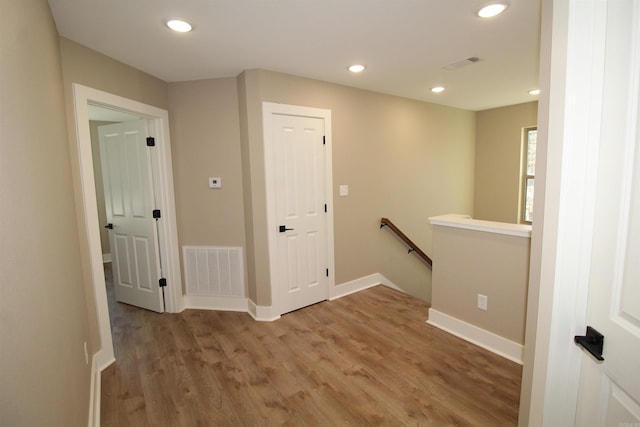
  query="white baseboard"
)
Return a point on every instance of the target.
[
  {"x": 244, "y": 305},
  {"x": 388, "y": 283},
  {"x": 263, "y": 313},
  {"x": 99, "y": 362},
  {"x": 268, "y": 313},
  {"x": 361, "y": 284},
  {"x": 95, "y": 393},
  {"x": 106, "y": 258},
  {"x": 202, "y": 302},
  {"x": 103, "y": 359},
  {"x": 478, "y": 336}
]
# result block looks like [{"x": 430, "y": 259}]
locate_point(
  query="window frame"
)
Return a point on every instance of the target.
[{"x": 524, "y": 176}]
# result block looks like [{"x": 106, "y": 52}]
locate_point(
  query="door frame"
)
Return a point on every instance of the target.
[
  {"x": 163, "y": 183},
  {"x": 270, "y": 109},
  {"x": 571, "y": 64}
]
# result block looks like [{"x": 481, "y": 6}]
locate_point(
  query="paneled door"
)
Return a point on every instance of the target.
[
  {"x": 298, "y": 172},
  {"x": 130, "y": 202},
  {"x": 609, "y": 393}
]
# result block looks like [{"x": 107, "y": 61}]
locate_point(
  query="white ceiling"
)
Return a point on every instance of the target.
[{"x": 404, "y": 43}]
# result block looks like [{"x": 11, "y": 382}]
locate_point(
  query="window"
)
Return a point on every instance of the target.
[{"x": 529, "y": 138}]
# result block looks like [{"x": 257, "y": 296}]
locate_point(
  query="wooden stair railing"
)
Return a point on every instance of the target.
[{"x": 412, "y": 246}]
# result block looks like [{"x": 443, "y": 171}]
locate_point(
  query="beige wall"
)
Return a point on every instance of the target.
[
  {"x": 251, "y": 139},
  {"x": 205, "y": 134},
  {"x": 89, "y": 68},
  {"x": 495, "y": 265},
  {"x": 44, "y": 380},
  {"x": 247, "y": 194},
  {"x": 402, "y": 159},
  {"x": 498, "y": 160}
]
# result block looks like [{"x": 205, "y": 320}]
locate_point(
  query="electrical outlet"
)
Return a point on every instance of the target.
[
  {"x": 215, "y": 182},
  {"x": 482, "y": 302}
]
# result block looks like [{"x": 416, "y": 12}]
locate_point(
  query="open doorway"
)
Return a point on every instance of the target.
[
  {"x": 125, "y": 201},
  {"x": 122, "y": 153},
  {"x": 158, "y": 119}
]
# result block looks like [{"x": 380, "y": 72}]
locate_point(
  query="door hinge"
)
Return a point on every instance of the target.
[
  {"x": 162, "y": 282},
  {"x": 327, "y": 272},
  {"x": 324, "y": 140},
  {"x": 325, "y": 208},
  {"x": 156, "y": 214},
  {"x": 151, "y": 141}
]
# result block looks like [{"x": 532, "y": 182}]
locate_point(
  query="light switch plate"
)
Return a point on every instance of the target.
[
  {"x": 344, "y": 190},
  {"x": 483, "y": 302},
  {"x": 215, "y": 182}
]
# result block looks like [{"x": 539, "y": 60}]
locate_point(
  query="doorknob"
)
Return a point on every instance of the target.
[
  {"x": 109, "y": 226},
  {"x": 593, "y": 342},
  {"x": 284, "y": 228}
]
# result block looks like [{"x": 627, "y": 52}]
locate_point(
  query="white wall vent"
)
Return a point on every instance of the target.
[{"x": 214, "y": 271}]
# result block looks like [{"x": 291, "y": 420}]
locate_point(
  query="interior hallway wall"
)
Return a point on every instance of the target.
[
  {"x": 90, "y": 68},
  {"x": 402, "y": 159},
  {"x": 498, "y": 161},
  {"x": 44, "y": 379},
  {"x": 205, "y": 135}
]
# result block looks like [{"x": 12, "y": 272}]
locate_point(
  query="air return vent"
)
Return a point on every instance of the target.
[
  {"x": 214, "y": 271},
  {"x": 461, "y": 63}
]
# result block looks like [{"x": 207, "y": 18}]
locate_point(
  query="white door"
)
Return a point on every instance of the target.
[
  {"x": 301, "y": 259},
  {"x": 129, "y": 201},
  {"x": 609, "y": 393}
]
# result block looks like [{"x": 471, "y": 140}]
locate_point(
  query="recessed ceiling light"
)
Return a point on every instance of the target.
[
  {"x": 178, "y": 24},
  {"x": 492, "y": 9},
  {"x": 357, "y": 68},
  {"x": 437, "y": 89},
  {"x": 534, "y": 92}
]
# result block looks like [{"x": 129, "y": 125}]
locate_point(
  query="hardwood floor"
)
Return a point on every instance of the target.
[{"x": 367, "y": 359}]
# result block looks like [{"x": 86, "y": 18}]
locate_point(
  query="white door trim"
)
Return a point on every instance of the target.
[
  {"x": 568, "y": 123},
  {"x": 269, "y": 109},
  {"x": 159, "y": 128}
]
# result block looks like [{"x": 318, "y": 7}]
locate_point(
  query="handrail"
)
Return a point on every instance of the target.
[{"x": 412, "y": 246}]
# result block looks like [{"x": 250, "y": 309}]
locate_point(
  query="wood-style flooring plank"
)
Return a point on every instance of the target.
[{"x": 367, "y": 359}]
